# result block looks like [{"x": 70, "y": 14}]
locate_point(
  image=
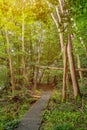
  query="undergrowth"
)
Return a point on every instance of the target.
[
  {"x": 70, "y": 115},
  {"x": 12, "y": 108}
]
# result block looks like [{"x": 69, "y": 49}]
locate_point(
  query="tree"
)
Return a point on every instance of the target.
[
  {"x": 64, "y": 18},
  {"x": 72, "y": 69}
]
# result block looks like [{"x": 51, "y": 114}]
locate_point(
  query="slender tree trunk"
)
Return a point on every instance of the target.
[
  {"x": 36, "y": 68},
  {"x": 31, "y": 75},
  {"x": 48, "y": 78},
  {"x": 40, "y": 79},
  {"x": 78, "y": 58},
  {"x": 64, "y": 74},
  {"x": 58, "y": 28},
  {"x": 23, "y": 48},
  {"x": 38, "y": 58},
  {"x": 72, "y": 68},
  {"x": 10, "y": 62},
  {"x": 63, "y": 49},
  {"x": 35, "y": 79},
  {"x": 61, "y": 3}
]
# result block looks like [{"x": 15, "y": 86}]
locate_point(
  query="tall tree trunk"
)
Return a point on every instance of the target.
[
  {"x": 61, "y": 3},
  {"x": 63, "y": 49},
  {"x": 64, "y": 74},
  {"x": 72, "y": 68},
  {"x": 35, "y": 79},
  {"x": 58, "y": 28},
  {"x": 78, "y": 58},
  {"x": 40, "y": 79},
  {"x": 23, "y": 48},
  {"x": 10, "y": 62},
  {"x": 38, "y": 57},
  {"x": 31, "y": 75},
  {"x": 48, "y": 77},
  {"x": 36, "y": 68}
]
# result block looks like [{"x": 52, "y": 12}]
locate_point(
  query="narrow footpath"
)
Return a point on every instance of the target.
[{"x": 32, "y": 119}]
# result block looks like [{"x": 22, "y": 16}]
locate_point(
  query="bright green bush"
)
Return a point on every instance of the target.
[{"x": 64, "y": 116}]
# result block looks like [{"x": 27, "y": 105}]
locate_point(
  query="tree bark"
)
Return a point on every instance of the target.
[
  {"x": 56, "y": 68},
  {"x": 49, "y": 67},
  {"x": 63, "y": 49},
  {"x": 23, "y": 48},
  {"x": 64, "y": 74},
  {"x": 72, "y": 68},
  {"x": 35, "y": 79},
  {"x": 58, "y": 28},
  {"x": 40, "y": 79},
  {"x": 36, "y": 68},
  {"x": 10, "y": 62},
  {"x": 31, "y": 75}
]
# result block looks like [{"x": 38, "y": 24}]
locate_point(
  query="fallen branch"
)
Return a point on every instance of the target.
[
  {"x": 81, "y": 69},
  {"x": 32, "y": 94},
  {"x": 35, "y": 96},
  {"x": 81, "y": 110},
  {"x": 56, "y": 68},
  {"x": 49, "y": 67}
]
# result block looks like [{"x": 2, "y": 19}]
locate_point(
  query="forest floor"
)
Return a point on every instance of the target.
[
  {"x": 69, "y": 115},
  {"x": 13, "y": 108},
  {"x": 58, "y": 115}
]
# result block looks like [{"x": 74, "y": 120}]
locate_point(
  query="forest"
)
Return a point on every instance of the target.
[{"x": 43, "y": 50}]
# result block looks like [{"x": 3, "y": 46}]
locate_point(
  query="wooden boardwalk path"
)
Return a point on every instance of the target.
[{"x": 32, "y": 119}]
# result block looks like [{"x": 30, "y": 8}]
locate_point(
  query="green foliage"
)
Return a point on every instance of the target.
[
  {"x": 78, "y": 11},
  {"x": 55, "y": 96},
  {"x": 63, "y": 116},
  {"x": 40, "y": 38},
  {"x": 3, "y": 76},
  {"x": 64, "y": 127},
  {"x": 13, "y": 109}
]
